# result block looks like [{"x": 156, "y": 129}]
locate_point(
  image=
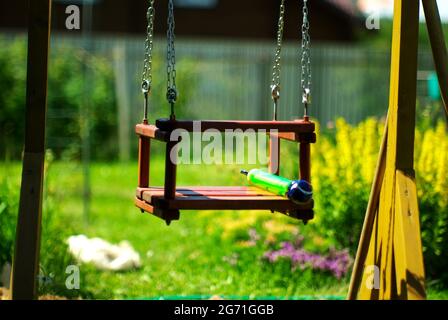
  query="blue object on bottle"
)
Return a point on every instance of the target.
[{"x": 300, "y": 191}]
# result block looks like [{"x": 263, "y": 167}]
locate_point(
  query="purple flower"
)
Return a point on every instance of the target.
[{"x": 335, "y": 262}]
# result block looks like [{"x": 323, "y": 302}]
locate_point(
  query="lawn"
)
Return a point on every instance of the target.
[{"x": 188, "y": 258}]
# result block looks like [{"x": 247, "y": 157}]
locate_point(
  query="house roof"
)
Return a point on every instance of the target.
[
  {"x": 332, "y": 20},
  {"x": 347, "y": 6}
]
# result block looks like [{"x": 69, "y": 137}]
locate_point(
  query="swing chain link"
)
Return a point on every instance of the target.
[
  {"x": 171, "y": 94},
  {"x": 275, "y": 86},
  {"x": 147, "y": 64},
  {"x": 306, "y": 59}
]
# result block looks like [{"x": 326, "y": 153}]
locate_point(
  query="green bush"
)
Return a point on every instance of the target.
[
  {"x": 8, "y": 216},
  {"x": 12, "y": 99},
  {"x": 66, "y": 85}
]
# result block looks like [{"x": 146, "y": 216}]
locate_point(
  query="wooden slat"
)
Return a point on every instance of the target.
[
  {"x": 206, "y": 191},
  {"x": 167, "y": 214},
  {"x": 297, "y": 126},
  {"x": 145, "y": 206},
  {"x": 309, "y": 137},
  {"x": 230, "y": 203},
  {"x": 151, "y": 131}
]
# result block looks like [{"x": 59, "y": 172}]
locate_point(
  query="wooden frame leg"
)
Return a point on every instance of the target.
[
  {"x": 274, "y": 154},
  {"x": 170, "y": 170},
  {"x": 170, "y": 180},
  {"x": 305, "y": 162},
  {"x": 144, "y": 151}
]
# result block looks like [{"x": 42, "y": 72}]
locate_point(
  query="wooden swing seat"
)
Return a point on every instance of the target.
[
  {"x": 167, "y": 201},
  {"x": 152, "y": 200}
]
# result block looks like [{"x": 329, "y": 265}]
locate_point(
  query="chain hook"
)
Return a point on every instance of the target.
[
  {"x": 306, "y": 96},
  {"x": 146, "y": 90},
  {"x": 275, "y": 92},
  {"x": 146, "y": 87}
]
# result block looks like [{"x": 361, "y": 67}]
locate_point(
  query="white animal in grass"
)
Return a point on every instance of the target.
[{"x": 104, "y": 255}]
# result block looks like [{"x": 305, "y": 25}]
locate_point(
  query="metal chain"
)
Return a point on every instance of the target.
[
  {"x": 275, "y": 86},
  {"x": 171, "y": 93},
  {"x": 306, "y": 59},
  {"x": 147, "y": 64}
]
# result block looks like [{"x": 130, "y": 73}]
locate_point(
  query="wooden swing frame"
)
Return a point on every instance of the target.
[
  {"x": 167, "y": 201},
  {"x": 407, "y": 262}
]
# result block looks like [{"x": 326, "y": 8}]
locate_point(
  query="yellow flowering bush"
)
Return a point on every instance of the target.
[
  {"x": 343, "y": 166},
  {"x": 431, "y": 165}
]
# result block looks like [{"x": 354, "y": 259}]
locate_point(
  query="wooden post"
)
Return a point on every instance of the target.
[
  {"x": 27, "y": 246},
  {"x": 438, "y": 45}
]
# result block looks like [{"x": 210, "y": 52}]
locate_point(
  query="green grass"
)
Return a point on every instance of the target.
[{"x": 180, "y": 260}]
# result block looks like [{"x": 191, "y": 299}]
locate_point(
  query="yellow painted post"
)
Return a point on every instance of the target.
[{"x": 395, "y": 251}]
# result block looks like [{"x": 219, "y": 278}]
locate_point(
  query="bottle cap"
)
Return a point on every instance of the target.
[{"x": 300, "y": 191}]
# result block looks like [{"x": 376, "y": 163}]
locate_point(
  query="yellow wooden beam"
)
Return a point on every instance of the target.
[{"x": 393, "y": 233}]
